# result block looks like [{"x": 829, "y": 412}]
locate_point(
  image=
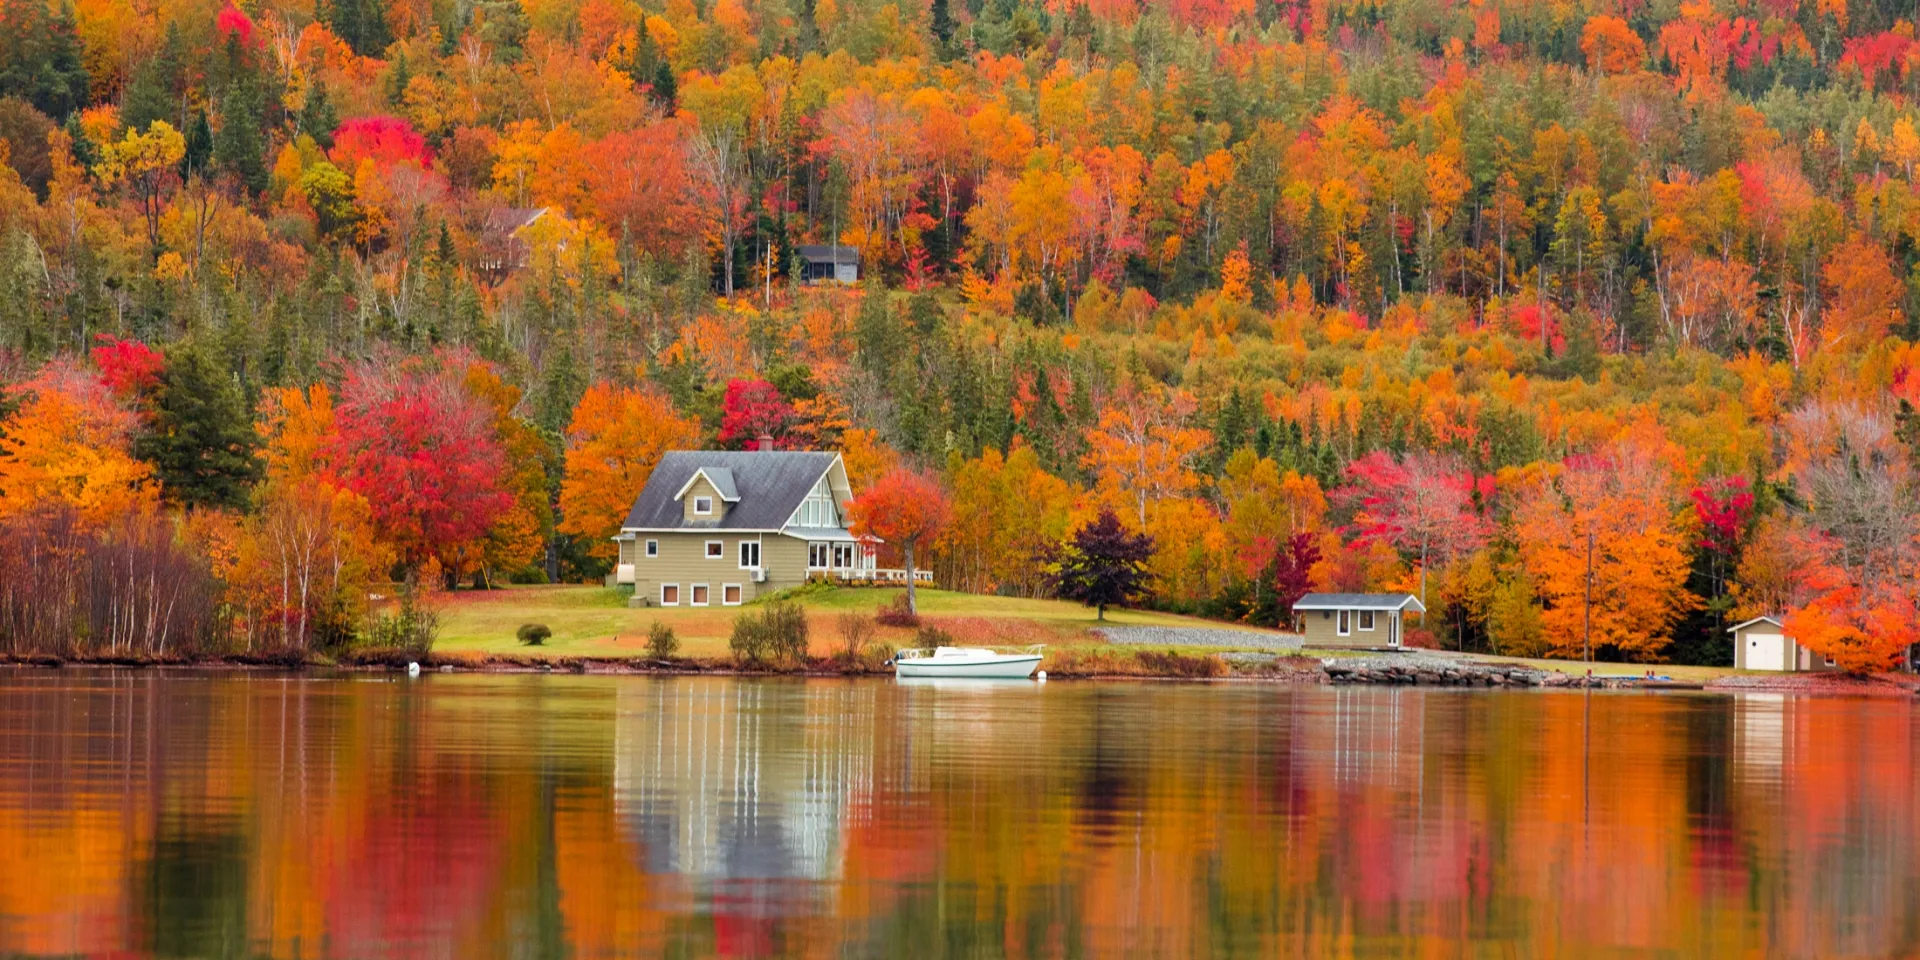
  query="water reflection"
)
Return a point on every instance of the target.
[{"x": 545, "y": 816}]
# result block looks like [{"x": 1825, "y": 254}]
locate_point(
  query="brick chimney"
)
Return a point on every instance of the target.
[{"x": 764, "y": 442}]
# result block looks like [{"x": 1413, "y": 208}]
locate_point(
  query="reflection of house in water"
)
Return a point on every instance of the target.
[
  {"x": 725, "y": 781},
  {"x": 1378, "y": 734}
]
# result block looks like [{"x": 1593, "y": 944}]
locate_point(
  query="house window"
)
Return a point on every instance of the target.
[
  {"x": 819, "y": 510},
  {"x": 730, "y": 595},
  {"x": 716, "y": 549},
  {"x": 669, "y": 594},
  {"x": 749, "y": 554},
  {"x": 653, "y": 548},
  {"x": 1346, "y": 623},
  {"x": 702, "y": 506},
  {"x": 817, "y": 556},
  {"x": 1366, "y": 619},
  {"x": 1830, "y": 661},
  {"x": 843, "y": 555},
  {"x": 699, "y": 594}
]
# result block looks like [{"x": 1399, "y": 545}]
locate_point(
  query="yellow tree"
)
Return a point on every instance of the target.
[
  {"x": 145, "y": 162},
  {"x": 1621, "y": 503},
  {"x": 1142, "y": 448},
  {"x": 617, "y": 436},
  {"x": 1010, "y": 510},
  {"x": 69, "y": 443}
]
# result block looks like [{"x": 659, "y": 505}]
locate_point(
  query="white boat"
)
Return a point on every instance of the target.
[{"x": 966, "y": 662}]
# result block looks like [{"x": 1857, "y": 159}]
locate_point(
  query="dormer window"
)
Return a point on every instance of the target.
[
  {"x": 703, "y": 506},
  {"x": 819, "y": 510}
]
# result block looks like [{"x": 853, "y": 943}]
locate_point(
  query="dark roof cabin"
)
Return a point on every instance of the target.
[{"x": 822, "y": 263}]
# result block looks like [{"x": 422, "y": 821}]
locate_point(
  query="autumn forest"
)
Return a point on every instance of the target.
[{"x": 1461, "y": 299}]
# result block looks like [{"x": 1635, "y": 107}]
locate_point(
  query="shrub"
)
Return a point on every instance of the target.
[
  {"x": 528, "y": 575},
  {"x": 662, "y": 643},
  {"x": 410, "y": 629},
  {"x": 897, "y": 613},
  {"x": 856, "y": 631},
  {"x": 1171, "y": 664},
  {"x": 777, "y": 631},
  {"x": 930, "y": 637},
  {"x": 533, "y": 634}
]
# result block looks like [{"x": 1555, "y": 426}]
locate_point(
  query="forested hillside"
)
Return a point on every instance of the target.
[{"x": 297, "y": 297}]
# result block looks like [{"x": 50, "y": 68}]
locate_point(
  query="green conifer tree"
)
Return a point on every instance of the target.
[{"x": 202, "y": 444}]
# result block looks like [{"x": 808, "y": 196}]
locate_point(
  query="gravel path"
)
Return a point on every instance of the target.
[{"x": 1199, "y": 637}]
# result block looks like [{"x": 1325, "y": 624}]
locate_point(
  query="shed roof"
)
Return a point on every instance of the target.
[
  {"x": 1359, "y": 601},
  {"x": 770, "y": 486},
  {"x": 1736, "y": 628},
  {"x": 828, "y": 253}
]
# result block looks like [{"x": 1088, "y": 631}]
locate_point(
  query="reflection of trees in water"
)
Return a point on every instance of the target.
[{"x": 593, "y": 816}]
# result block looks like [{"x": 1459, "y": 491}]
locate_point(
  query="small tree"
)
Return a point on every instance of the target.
[
  {"x": 1293, "y": 570},
  {"x": 533, "y": 634},
  {"x": 662, "y": 642},
  {"x": 856, "y": 630},
  {"x": 906, "y": 508},
  {"x": 779, "y": 630},
  {"x": 1104, "y": 563}
]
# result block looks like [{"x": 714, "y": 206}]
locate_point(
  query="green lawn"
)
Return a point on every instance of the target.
[{"x": 595, "y": 621}]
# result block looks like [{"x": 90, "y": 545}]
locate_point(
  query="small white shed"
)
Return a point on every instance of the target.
[{"x": 1763, "y": 644}]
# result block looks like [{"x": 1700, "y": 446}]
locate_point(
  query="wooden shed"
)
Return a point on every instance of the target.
[
  {"x": 1763, "y": 644},
  {"x": 1353, "y": 619}
]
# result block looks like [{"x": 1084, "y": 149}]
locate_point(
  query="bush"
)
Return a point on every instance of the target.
[
  {"x": 896, "y": 613},
  {"x": 662, "y": 642},
  {"x": 533, "y": 634},
  {"x": 410, "y": 629},
  {"x": 930, "y": 637},
  {"x": 528, "y": 575},
  {"x": 777, "y": 631},
  {"x": 856, "y": 632}
]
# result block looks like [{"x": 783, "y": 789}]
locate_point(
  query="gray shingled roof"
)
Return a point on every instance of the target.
[
  {"x": 1358, "y": 601},
  {"x": 771, "y": 485},
  {"x": 828, "y": 253}
]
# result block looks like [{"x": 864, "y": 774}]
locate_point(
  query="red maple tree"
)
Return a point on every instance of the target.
[{"x": 905, "y": 508}]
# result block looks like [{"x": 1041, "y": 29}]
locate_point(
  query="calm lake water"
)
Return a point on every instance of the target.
[{"x": 473, "y": 816}]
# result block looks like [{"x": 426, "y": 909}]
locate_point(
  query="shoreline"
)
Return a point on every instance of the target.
[{"x": 1302, "y": 670}]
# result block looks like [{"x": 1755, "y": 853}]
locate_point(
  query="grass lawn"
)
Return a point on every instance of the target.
[{"x": 596, "y": 621}]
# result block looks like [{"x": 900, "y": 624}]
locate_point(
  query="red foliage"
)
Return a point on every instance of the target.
[
  {"x": 232, "y": 21},
  {"x": 1881, "y": 53},
  {"x": 385, "y": 140},
  {"x": 1293, "y": 569},
  {"x": 754, "y": 408},
  {"x": 127, "y": 367},
  {"x": 905, "y": 508},
  {"x": 1536, "y": 323},
  {"x": 423, "y": 452},
  {"x": 1723, "y": 506},
  {"x": 1421, "y": 503}
]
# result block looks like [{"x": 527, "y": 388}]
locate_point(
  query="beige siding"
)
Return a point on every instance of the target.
[
  {"x": 683, "y": 560},
  {"x": 628, "y": 550},
  {"x": 1798, "y": 658},
  {"x": 1321, "y": 628},
  {"x": 701, "y": 488}
]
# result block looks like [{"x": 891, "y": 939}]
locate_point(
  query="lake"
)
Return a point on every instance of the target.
[{"x": 228, "y": 815}]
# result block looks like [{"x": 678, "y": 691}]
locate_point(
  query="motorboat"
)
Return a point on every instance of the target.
[{"x": 978, "y": 662}]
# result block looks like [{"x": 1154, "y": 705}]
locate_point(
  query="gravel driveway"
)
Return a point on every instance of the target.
[{"x": 1199, "y": 637}]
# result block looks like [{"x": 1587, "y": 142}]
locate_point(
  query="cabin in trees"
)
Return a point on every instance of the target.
[
  {"x": 1353, "y": 619},
  {"x": 824, "y": 263},
  {"x": 719, "y": 527},
  {"x": 503, "y": 247},
  {"x": 1763, "y": 644}
]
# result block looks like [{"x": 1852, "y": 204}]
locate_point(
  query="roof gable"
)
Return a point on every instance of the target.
[
  {"x": 767, "y": 486},
  {"x": 1742, "y": 626},
  {"x": 720, "y": 477}
]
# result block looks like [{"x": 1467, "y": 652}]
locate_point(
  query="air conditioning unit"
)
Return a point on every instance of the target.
[{"x": 759, "y": 575}]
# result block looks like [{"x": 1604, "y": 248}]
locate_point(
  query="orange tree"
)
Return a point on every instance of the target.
[
  {"x": 906, "y": 508},
  {"x": 617, "y": 436}
]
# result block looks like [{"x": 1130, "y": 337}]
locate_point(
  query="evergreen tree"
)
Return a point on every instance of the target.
[
  {"x": 155, "y": 93},
  {"x": 240, "y": 145},
  {"x": 666, "y": 89},
  {"x": 397, "y": 80},
  {"x": 940, "y": 21},
  {"x": 40, "y": 57},
  {"x": 202, "y": 444},
  {"x": 503, "y": 26},
  {"x": 361, "y": 23},
  {"x": 199, "y": 137},
  {"x": 318, "y": 118}
]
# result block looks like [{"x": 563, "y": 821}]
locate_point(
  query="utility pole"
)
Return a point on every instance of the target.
[{"x": 1587, "y": 642}]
